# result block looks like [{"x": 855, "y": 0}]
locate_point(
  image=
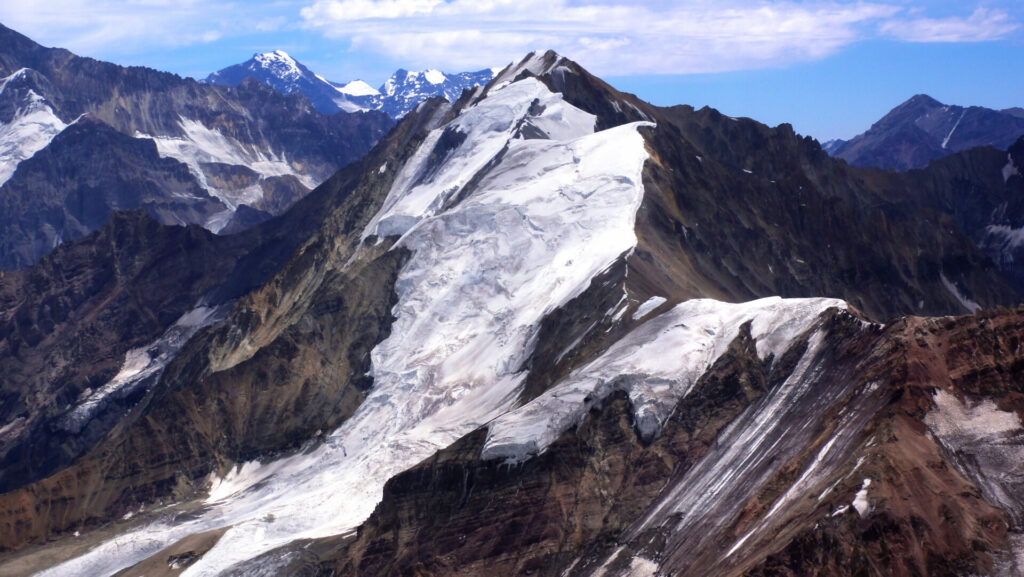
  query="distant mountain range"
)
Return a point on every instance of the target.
[
  {"x": 80, "y": 139},
  {"x": 923, "y": 129},
  {"x": 396, "y": 97}
]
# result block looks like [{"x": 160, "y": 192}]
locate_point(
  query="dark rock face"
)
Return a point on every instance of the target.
[
  {"x": 66, "y": 324},
  {"x": 923, "y": 129},
  {"x": 112, "y": 105},
  {"x": 90, "y": 170}
]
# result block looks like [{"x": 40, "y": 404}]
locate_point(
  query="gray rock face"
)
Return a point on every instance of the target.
[{"x": 923, "y": 129}]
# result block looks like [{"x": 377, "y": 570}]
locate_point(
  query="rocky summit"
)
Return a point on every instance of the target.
[
  {"x": 545, "y": 329},
  {"x": 923, "y": 129}
]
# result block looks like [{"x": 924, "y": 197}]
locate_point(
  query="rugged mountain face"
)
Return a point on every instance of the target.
[
  {"x": 396, "y": 97},
  {"x": 286, "y": 75},
  {"x": 540, "y": 330},
  {"x": 923, "y": 129},
  {"x": 218, "y": 148}
]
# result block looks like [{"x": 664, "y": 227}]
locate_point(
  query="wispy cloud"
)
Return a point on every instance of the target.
[
  {"x": 611, "y": 37},
  {"x": 639, "y": 37},
  {"x": 982, "y": 25},
  {"x": 102, "y": 26}
]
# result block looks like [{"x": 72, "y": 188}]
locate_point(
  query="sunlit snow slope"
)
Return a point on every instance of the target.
[{"x": 509, "y": 211}]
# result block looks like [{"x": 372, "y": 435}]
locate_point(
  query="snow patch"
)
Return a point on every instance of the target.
[
  {"x": 967, "y": 303},
  {"x": 358, "y": 88},
  {"x": 434, "y": 76},
  {"x": 945, "y": 141},
  {"x": 860, "y": 501},
  {"x": 1010, "y": 169},
  {"x": 648, "y": 306}
]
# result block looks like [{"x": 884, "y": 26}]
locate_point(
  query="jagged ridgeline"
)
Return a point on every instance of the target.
[
  {"x": 547, "y": 329},
  {"x": 80, "y": 139}
]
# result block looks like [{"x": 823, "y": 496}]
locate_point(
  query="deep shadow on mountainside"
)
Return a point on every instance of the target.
[{"x": 732, "y": 210}]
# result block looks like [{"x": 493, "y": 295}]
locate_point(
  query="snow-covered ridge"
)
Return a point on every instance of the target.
[{"x": 697, "y": 332}]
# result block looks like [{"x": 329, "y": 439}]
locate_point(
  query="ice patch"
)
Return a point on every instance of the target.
[
  {"x": 201, "y": 144},
  {"x": 648, "y": 306},
  {"x": 860, "y": 501},
  {"x": 986, "y": 445}
]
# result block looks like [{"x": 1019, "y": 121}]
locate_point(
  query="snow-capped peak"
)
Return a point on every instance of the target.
[
  {"x": 358, "y": 88},
  {"x": 280, "y": 63}
]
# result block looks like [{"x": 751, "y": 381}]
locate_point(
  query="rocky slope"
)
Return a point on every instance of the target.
[
  {"x": 923, "y": 129},
  {"x": 538, "y": 330},
  {"x": 218, "y": 148}
]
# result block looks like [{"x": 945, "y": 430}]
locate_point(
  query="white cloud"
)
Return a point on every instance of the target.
[
  {"x": 613, "y": 37},
  {"x": 981, "y": 26},
  {"x": 103, "y": 26}
]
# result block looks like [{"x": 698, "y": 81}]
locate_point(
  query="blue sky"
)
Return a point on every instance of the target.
[{"x": 830, "y": 68}]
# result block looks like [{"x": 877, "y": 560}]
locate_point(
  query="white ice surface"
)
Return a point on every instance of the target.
[
  {"x": 696, "y": 332},
  {"x": 648, "y": 306},
  {"x": 358, "y": 88},
  {"x": 33, "y": 127},
  {"x": 483, "y": 274},
  {"x": 434, "y": 76},
  {"x": 201, "y": 144},
  {"x": 860, "y": 501}
]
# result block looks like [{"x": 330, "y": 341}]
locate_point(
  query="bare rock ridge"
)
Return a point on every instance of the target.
[
  {"x": 218, "y": 148},
  {"x": 534, "y": 331}
]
